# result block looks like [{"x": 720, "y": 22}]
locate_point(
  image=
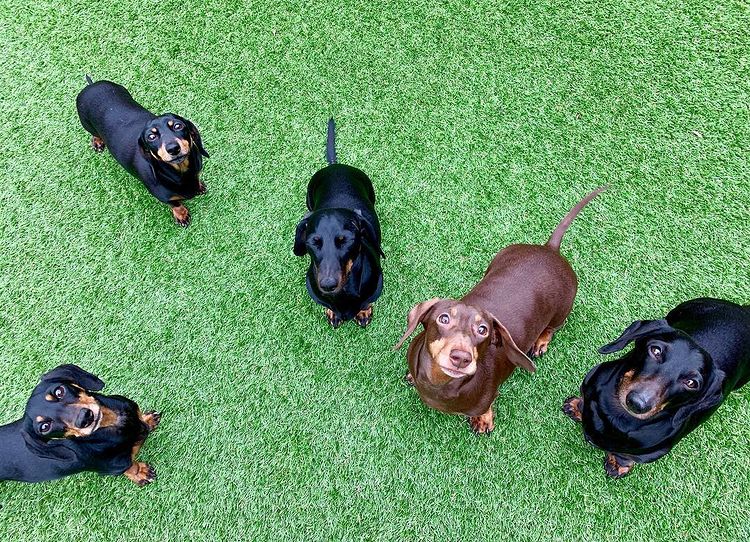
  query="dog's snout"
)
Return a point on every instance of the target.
[
  {"x": 460, "y": 358},
  {"x": 638, "y": 403},
  {"x": 328, "y": 284},
  {"x": 173, "y": 148},
  {"x": 85, "y": 418}
]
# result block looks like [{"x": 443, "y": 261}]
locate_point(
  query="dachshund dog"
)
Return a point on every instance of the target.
[
  {"x": 68, "y": 428},
  {"x": 469, "y": 347},
  {"x": 680, "y": 370},
  {"x": 341, "y": 233},
  {"x": 165, "y": 152}
]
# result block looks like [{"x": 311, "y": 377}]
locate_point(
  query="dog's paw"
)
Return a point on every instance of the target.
[
  {"x": 202, "y": 188},
  {"x": 572, "y": 407},
  {"x": 141, "y": 474},
  {"x": 97, "y": 143},
  {"x": 484, "y": 424},
  {"x": 334, "y": 320},
  {"x": 542, "y": 344},
  {"x": 617, "y": 467},
  {"x": 364, "y": 317},
  {"x": 409, "y": 379},
  {"x": 152, "y": 419},
  {"x": 181, "y": 216}
]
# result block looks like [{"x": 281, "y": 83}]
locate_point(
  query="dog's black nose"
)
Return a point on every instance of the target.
[
  {"x": 637, "y": 403},
  {"x": 173, "y": 149},
  {"x": 85, "y": 418},
  {"x": 328, "y": 284},
  {"x": 460, "y": 358}
]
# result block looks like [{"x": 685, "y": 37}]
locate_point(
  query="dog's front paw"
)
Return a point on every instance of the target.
[
  {"x": 617, "y": 467},
  {"x": 152, "y": 419},
  {"x": 572, "y": 407},
  {"x": 181, "y": 216},
  {"x": 141, "y": 474},
  {"x": 334, "y": 320},
  {"x": 364, "y": 317},
  {"x": 97, "y": 143},
  {"x": 484, "y": 424}
]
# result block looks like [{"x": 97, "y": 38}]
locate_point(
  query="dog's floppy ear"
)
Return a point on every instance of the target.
[
  {"x": 50, "y": 449},
  {"x": 76, "y": 375},
  {"x": 636, "y": 330},
  {"x": 195, "y": 135},
  {"x": 712, "y": 396},
  {"x": 300, "y": 236},
  {"x": 367, "y": 230},
  {"x": 416, "y": 315},
  {"x": 502, "y": 338}
]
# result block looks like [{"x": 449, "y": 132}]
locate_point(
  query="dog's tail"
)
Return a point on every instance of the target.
[
  {"x": 89, "y": 81},
  {"x": 331, "y": 142},
  {"x": 556, "y": 238}
]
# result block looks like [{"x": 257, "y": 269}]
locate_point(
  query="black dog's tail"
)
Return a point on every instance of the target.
[
  {"x": 331, "y": 142},
  {"x": 89, "y": 81}
]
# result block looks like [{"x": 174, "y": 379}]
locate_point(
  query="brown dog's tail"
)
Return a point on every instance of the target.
[{"x": 556, "y": 238}]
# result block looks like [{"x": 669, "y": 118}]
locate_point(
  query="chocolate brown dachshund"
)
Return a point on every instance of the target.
[{"x": 469, "y": 347}]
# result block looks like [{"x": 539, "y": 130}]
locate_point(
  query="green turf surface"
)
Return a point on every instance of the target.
[{"x": 481, "y": 124}]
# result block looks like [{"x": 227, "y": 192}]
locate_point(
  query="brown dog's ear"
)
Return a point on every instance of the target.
[
  {"x": 636, "y": 330},
  {"x": 300, "y": 236},
  {"x": 416, "y": 315},
  {"x": 502, "y": 338},
  {"x": 76, "y": 375},
  {"x": 713, "y": 395}
]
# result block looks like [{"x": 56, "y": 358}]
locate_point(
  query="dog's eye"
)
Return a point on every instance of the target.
[
  {"x": 317, "y": 240},
  {"x": 692, "y": 383},
  {"x": 655, "y": 351},
  {"x": 44, "y": 427},
  {"x": 151, "y": 137},
  {"x": 444, "y": 319},
  {"x": 482, "y": 330},
  {"x": 59, "y": 392},
  {"x": 177, "y": 126},
  {"x": 340, "y": 240}
]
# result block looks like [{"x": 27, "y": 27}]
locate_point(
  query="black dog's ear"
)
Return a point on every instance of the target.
[
  {"x": 300, "y": 236},
  {"x": 195, "y": 135},
  {"x": 636, "y": 330},
  {"x": 76, "y": 375},
  {"x": 713, "y": 395},
  {"x": 367, "y": 231},
  {"x": 49, "y": 449}
]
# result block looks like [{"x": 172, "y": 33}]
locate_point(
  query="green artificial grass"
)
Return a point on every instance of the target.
[{"x": 480, "y": 123}]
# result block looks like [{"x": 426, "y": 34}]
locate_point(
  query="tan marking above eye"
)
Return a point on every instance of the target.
[
  {"x": 49, "y": 397},
  {"x": 39, "y": 418},
  {"x": 454, "y": 311},
  {"x": 170, "y": 123},
  {"x": 477, "y": 318},
  {"x": 154, "y": 130}
]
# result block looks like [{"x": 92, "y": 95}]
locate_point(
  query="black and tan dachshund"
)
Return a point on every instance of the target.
[
  {"x": 680, "y": 370},
  {"x": 341, "y": 233},
  {"x": 165, "y": 152},
  {"x": 68, "y": 428}
]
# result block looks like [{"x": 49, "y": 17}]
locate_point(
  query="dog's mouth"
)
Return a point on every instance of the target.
[
  {"x": 178, "y": 159},
  {"x": 458, "y": 373}
]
